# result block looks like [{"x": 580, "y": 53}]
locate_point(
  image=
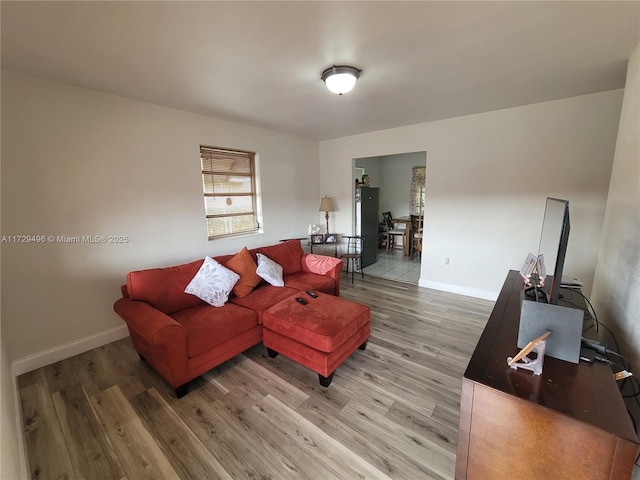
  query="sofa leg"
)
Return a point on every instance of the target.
[
  {"x": 363, "y": 346},
  {"x": 182, "y": 390},
  {"x": 141, "y": 357},
  {"x": 271, "y": 353},
  {"x": 325, "y": 381}
]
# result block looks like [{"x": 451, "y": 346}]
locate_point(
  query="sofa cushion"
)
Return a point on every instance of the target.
[
  {"x": 243, "y": 264},
  {"x": 270, "y": 271},
  {"x": 163, "y": 288},
  {"x": 310, "y": 281},
  {"x": 213, "y": 283},
  {"x": 208, "y": 327},
  {"x": 286, "y": 254},
  {"x": 264, "y": 297}
]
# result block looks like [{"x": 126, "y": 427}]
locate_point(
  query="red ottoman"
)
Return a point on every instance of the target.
[{"x": 319, "y": 335}]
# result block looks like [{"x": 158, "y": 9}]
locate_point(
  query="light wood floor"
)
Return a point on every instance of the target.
[{"x": 390, "y": 412}]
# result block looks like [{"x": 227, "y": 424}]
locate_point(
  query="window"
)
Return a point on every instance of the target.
[
  {"x": 229, "y": 185},
  {"x": 417, "y": 194}
]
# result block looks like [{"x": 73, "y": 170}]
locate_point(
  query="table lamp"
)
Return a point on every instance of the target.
[{"x": 326, "y": 206}]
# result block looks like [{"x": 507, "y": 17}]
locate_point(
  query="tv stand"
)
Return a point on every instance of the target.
[{"x": 568, "y": 422}]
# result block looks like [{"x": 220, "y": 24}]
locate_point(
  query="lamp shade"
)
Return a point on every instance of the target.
[
  {"x": 326, "y": 205},
  {"x": 340, "y": 78}
]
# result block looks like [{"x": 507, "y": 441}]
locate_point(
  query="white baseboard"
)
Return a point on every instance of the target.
[
  {"x": 52, "y": 355},
  {"x": 460, "y": 290},
  {"x": 24, "y": 468}
]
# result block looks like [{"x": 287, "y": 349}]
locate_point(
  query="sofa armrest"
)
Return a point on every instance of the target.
[
  {"x": 323, "y": 265},
  {"x": 157, "y": 337},
  {"x": 147, "y": 321}
]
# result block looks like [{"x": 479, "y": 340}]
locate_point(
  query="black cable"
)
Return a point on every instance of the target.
[
  {"x": 595, "y": 317},
  {"x": 613, "y": 337},
  {"x": 634, "y": 394},
  {"x": 624, "y": 360},
  {"x": 633, "y": 381},
  {"x": 587, "y": 313},
  {"x": 587, "y": 328},
  {"x": 633, "y": 420},
  {"x": 621, "y": 367}
]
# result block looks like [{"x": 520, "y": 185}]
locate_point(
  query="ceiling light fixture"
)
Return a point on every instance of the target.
[{"x": 340, "y": 78}]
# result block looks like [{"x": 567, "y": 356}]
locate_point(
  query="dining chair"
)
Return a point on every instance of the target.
[
  {"x": 416, "y": 234},
  {"x": 355, "y": 244},
  {"x": 392, "y": 233}
]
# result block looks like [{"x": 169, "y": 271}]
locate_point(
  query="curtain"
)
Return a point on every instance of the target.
[{"x": 418, "y": 190}]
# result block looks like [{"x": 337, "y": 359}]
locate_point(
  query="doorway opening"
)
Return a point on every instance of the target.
[{"x": 399, "y": 181}]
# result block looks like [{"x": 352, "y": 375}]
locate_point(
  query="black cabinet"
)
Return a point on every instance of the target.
[{"x": 367, "y": 220}]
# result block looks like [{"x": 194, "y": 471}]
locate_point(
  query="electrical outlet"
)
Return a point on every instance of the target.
[{"x": 446, "y": 261}]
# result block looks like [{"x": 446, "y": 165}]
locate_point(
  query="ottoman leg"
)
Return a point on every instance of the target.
[
  {"x": 182, "y": 390},
  {"x": 363, "y": 346},
  {"x": 325, "y": 381},
  {"x": 271, "y": 353}
]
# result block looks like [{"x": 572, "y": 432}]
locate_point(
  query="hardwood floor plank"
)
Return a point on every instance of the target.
[
  {"x": 278, "y": 449},
  {"x": 301, "y": 377},
  {"x": 447, "y": 414},
  {"x": 69, "y": 476},
  {"x": 242, "y": 389},
  {"x": 187, "y": 455},
  {"x": 437, "y": 462},
  {"x": 369, "y": 378},
  {"x": 88, "y": 369},
  {"x": 237, "y": 456},
  {"x": 131, "y": 374},
  {"x": 259, "y": 382},
  {"x": 32, "y": 378},
  {"x": 41, "y": 430},
  {"x": 374, "y": 399},
  {"x": 429, "y": 427},
  {"x": 91, "y": 453},
  {"x": 451, "y": 363},
  {"x": 401, "y": 340},
  {"x": 430, "y": 383},
  {"x": 140, "y": 456},
  {"x": 317, "y": 443},
  {"x": 269, "y": 382},
  {"x": 373, "y": 449}
]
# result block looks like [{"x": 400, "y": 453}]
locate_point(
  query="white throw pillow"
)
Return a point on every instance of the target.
[
  {"x": 269, "y": 270},
  {"x": 213, "y": 283}
]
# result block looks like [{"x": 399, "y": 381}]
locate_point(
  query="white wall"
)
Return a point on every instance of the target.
[
  {"x": 616, "y": 290},
  {"x": 397, "y": 171},
  {"x": 489, "y": 175},
  {"x": 79, "y": 162},
  {"x": 371, "y": 167}
]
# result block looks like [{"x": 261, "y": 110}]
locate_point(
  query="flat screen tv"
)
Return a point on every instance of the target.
[{"x": 553, "y": 245}]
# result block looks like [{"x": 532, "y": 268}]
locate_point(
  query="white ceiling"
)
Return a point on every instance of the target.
[{"x": 260, "y": 62}]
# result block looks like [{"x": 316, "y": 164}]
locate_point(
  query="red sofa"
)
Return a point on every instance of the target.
[{"x": 182, "y": 337}]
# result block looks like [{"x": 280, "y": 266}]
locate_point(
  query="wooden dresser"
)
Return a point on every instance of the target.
[{"x": 568, "y": 423}]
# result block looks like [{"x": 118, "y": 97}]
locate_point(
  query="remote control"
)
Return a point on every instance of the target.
[
  {"x": 301, "y": 300},
  {"x": 311, "y": 294}
]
